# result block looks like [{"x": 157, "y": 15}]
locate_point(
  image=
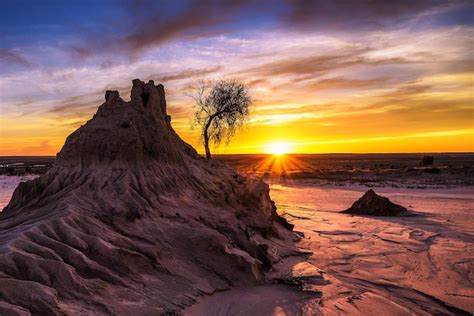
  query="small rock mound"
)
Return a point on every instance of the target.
[{"x": 373, "y": 204}]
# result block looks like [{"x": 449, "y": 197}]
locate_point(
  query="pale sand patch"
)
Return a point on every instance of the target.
[
  {"x": 8, "y": 185},
  {"x": 432, "y": 252},
  {"x": 421, "y": 264}
]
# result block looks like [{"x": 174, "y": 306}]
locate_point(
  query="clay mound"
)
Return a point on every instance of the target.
[
  {"x": 373, "y": 204},
  {"x": 131, "y": 220}
]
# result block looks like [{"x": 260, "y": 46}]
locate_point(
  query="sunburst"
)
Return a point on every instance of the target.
[{"x": 278, "y": 149}]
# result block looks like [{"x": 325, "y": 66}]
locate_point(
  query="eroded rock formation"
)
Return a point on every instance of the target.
[
  {"x": 373, "y": 204},
  {"x": 131, "y": 220}
]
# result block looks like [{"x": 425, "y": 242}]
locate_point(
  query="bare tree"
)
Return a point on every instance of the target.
[{"x": 221, "y": 108}]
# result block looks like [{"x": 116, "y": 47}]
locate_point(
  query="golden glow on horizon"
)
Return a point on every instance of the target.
[
  {"x": 279, "y": 166},
  {"x": 278, "y": 149},
  {"x": 409, "y": 93}
]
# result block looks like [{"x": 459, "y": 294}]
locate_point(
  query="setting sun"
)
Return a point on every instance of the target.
[
  {"x": 307, "y": 157},
  {"x": 278, "y": 149}
]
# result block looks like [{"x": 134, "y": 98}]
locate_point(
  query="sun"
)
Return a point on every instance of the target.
[{"x": 278, "y": 149}]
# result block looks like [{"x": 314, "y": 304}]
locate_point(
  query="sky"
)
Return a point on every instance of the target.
[{"x": 325, "y": 76}]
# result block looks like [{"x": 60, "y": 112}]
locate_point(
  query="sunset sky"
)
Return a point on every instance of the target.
[{"x": 325, "y": 76}]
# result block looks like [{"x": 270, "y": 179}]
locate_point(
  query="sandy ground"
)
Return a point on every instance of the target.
[
  {"x": 8, "y": 185},
  {"x": 422, "y": 264}
]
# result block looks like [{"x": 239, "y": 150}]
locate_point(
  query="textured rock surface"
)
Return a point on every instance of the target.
[
  {"x": 373, "y": 204},
  {"x": 131, "y": 220}
]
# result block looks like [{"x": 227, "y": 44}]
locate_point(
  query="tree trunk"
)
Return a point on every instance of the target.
[
  {"x": 206, "y": 138},
  {"x": 206, "y": 145}
]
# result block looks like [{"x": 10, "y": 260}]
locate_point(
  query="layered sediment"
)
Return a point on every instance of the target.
[{"x": 131, "y": 220}]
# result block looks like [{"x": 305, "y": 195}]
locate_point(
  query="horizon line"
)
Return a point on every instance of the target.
[{"x": 295, "y": 153}]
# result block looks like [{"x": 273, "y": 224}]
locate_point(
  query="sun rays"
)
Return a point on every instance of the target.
[
  {"x": 279, "y": 148},
  {"x": 281, "y": 166}
]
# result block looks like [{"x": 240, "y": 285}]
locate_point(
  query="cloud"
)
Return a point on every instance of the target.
[
  {"x": 10, "y": 56},
  {"x": 442, "y": 133},
  {"x": 81, "y": 106},
  {"x": 75, "y": 107},
  {"x": 154, "y": 27},
  {"x": 127, "y": 29},
  {"x": 74, "y": 124},
  {"x": 186, "y": 74},
  {"x": 314, "y": 65},
  {"x": 150, "y": 23},
  {"x": 359, "y": 15},
  {"x": 395, "y": 79},
  {"x": 407, "y": 90},
  {"x": 343, "y": 83},
  {"x": 306, "y": 64}
]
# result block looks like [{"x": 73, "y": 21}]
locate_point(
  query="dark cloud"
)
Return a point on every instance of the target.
[
  {"x": 150, "y": 23},
  {"x": 358, "y": 15},
  {"x": 180, "y": 111},
  {"x": 24, "y": 101},
  {"x": 255, "y": 83},
  {"x": 343, "y": 83},
  {"x": 153, "y": 26},
  {"x": 408, "y": 90},
  {"x": 403, "y": 96},
  {"x": 80, "y": 53},
  {"x": 185, "y": 74},
  {"x": 289, "y": 110},
  {"x": 304, "y": 65},
  {"x": 74, "y": 124},
  {"x": 129, "y": 27},
  {"x": 76, "y": 106},
  {"x": 412, "y": 101},
  {"x": 9, "y": 56},
  {"x": 84, "y": 105},
  {"x": 314, "y": 65}
]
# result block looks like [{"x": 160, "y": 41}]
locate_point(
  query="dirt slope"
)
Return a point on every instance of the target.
[{"x": 131, "y": 220}]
